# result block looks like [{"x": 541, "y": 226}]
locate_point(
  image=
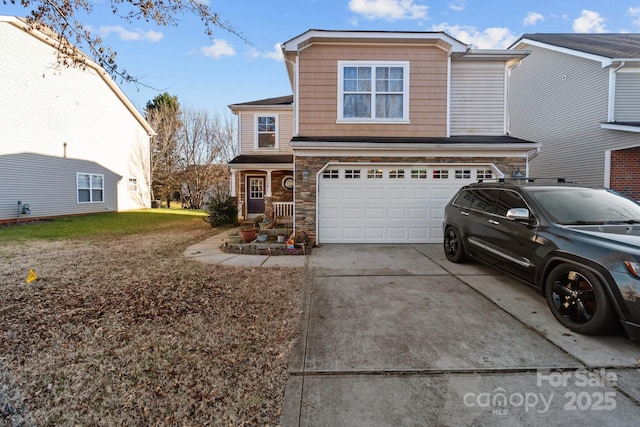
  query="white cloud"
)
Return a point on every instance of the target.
[
  {"x": 532, "y": 18},
  {"x": 150, "y": 36},
  {"x": 458, "y": 7},
  {"x": 634, "y": 12},
  {"x": 217, "y": 49},
  {"x": 275, "y": 54},
  {"x": 390, "y": 10},
  {"x": 490, "y": 38},
  {"x": 589, "y": 22}
]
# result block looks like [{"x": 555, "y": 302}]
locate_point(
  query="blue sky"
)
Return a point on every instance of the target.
[{"x": 210, "y": 74}]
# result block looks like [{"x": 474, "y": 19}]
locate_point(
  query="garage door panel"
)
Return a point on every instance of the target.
[
  {"x": 418, "y": 213},
  {"x": 352, "y": 213},
  {"x": 396, "y": 213},
  {"x": 397, "y": 208},
  {"x": 375, "y": 233},
  {"x": 374, "y": 193},
  {"x": 396, "y": 233},
  {"x": 374, "y": 213}
]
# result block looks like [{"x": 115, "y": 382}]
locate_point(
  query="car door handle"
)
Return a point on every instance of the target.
[
  {"x": 464, "y": 213},
  {"x": 494, "y": 222}
]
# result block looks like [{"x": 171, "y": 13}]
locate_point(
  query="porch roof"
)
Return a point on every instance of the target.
[
  {"x": 452, "y": 140},
  {"x": 244, "y": 159}
]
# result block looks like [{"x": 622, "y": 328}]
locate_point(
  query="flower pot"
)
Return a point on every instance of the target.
[
  {"x": 282, "y": 238},
  {"x": 262, "y": 237},
  {"x": 248, "y": 234}
]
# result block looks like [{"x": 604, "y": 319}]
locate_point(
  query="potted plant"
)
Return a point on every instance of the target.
[{"x": 248, "y": 234}]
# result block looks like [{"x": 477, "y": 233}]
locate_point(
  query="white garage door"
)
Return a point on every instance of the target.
[{"x": 370, "y": 203}]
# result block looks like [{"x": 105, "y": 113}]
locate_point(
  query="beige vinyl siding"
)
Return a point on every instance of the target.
[
  {"x": 45, "y": 109},
  {"x": 318, "y": 90},
  {"x": 248, "y": 131},
  {"x": 477, "y": 98},
  {"x": 627, "y": 97},
  {"x": 560, "y": 100}
]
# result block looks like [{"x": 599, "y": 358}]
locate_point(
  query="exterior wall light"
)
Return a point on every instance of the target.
[{"x": 305, "y": 174}]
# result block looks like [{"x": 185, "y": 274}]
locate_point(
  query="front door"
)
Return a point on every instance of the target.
[{"x": 255, "y": 195}]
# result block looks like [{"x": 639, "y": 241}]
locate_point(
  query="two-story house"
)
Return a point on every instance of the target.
[
  {"x": 70, "y": 140},
  {"x": 382, "y": 129},
  {"x": 578, "y": 95}
]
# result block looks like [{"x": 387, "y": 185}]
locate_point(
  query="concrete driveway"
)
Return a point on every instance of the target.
[{"x": 395, "y": 335}]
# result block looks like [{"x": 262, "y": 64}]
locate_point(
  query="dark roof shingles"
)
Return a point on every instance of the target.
[{"x": 606, "y": 45}]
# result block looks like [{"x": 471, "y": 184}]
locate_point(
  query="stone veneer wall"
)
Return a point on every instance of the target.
[{"x": 305, "y": 192}]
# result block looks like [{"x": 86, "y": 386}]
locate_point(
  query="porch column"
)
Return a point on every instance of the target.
[
  {"x": 267, "y": 189},
  {"x": 232, "y": 183}
]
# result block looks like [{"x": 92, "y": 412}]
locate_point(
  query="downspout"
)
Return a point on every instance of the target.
[
  {"x": 612, "y": 92},
  {"x": 534, "y": 153}
]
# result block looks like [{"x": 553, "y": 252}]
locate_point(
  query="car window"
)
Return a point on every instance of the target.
[
  {"x": 509, "y": 200},
  {"x": 484, "y": 200},
  {"x": 568, "y": 205},
  {"x": 464, "y": 199}
]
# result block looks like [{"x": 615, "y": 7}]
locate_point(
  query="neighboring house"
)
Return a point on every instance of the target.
[
  {"x": 579, "y": 95},
  {"x": 70, "y": 140},
  {"x": 382, "y": 129}
]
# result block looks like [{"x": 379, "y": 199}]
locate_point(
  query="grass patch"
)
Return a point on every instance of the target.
[{"x": 101, "y": 224}]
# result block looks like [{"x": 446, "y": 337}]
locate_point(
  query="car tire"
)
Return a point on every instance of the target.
[
  {"x": 453, "y": 246},
  {"x": 578, "y": 300}
]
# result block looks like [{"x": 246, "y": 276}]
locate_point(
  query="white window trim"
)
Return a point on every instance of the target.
[
  {"x": 91, "y": 175},
  {"x": 277, "y": 136},
  {"x": 373, "y": 64},
  {"x": 132, "y": 180}
]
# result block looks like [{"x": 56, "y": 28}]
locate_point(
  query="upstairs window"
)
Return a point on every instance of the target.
[
  {"x": 376, "y": 92},
  {"x": 266, "y": 132}
]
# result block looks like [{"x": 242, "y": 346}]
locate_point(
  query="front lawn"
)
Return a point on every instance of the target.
[{"x": 121, "y": 329}]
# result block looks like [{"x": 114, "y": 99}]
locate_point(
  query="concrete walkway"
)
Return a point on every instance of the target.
[
  {"x": 395, "y": 335},
  {"x": 209, "y": 252}
]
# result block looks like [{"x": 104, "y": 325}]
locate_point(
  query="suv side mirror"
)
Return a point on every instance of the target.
[{"x": 519, "y": 214}]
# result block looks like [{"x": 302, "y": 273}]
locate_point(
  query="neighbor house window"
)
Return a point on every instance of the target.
[
  {"x": 90, "y": 187},
  {"x": 266, "y": 131},
  {"x": 373, "y": 91},
  {"x": 133, "y": 184}
]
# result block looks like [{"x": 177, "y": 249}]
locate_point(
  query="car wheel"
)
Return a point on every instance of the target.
[
  {"x": 578, "y": 300},
  {"x": 453, "y": 247}
]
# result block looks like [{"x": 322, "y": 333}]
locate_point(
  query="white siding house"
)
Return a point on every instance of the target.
[
  {"x": 70, "y": 140},
  {"x": 577, "y": 94}
]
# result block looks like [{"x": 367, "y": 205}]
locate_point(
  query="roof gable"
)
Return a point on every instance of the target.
[
  {"x": 47, "y": 39},
  {"x": 606, "y": 48}
]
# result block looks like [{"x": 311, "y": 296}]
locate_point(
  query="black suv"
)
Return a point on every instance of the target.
[{"x": 579, "y": 246}]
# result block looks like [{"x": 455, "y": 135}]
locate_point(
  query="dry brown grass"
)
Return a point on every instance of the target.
[{"x": 126, "y": 331}]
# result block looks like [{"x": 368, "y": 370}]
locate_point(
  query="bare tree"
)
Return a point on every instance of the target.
[
  {"x": 58, "y": 18},
  {"x": 205, "y": 145}
]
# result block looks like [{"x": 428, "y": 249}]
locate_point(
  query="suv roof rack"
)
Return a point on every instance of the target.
[{"x": 524, "y": 179}]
